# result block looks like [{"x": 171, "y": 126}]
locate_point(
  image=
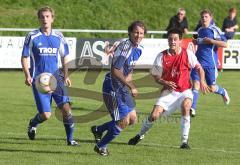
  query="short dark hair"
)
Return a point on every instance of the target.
[
  {"x": 232, "y": 10},
  {"x": 134, "y": 24},
  {"x": 175, "y": 31}
]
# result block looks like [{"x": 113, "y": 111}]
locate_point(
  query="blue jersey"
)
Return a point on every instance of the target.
[
  {"x": 125, "y": 57},
  {"x": 44, "y": 51},
  {"x": 207, "y": 53}
]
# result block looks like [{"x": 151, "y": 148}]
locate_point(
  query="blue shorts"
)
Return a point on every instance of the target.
[
  {"x": 210, "y": 75},
  {"x": 44, "y": 101},
  {"x": 119, "y": 104}
]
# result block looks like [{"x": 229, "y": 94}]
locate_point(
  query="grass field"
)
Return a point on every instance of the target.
[{"x": 214, "y": 135}]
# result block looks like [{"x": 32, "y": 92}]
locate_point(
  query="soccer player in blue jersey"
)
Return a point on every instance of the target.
[
  {"x": 209, "y": 38},
  {"x": 118, "y": 87},
  {"x": 43, "y": 47}
]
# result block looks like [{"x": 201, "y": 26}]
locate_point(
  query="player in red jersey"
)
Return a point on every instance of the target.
[{"x": 171, "y": 69}]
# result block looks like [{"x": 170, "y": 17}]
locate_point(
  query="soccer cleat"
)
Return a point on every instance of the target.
[
  {"x": 101, "y": 151},
  {"x": 97, "y": 136},
  {"x": 185, "y": 146},
  {"x": 72, "y": 143},
  {"x": 226, "y": 97},
  {"x": 192, "y": 112},
  {"x": 31, "y": 131},
  {"x": 135, "y": 139}
]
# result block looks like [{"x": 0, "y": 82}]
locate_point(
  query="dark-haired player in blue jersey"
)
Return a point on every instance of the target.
[
  {"x": 209, "y": 38},
  {"x": 44, "y": 46},
  {"x": 116, "y": 87}
]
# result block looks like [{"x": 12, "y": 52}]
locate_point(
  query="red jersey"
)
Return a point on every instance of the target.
[{"x": 175, "y": 68}]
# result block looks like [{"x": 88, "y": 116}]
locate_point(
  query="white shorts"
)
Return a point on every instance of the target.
[{"x": 170, "y": 101}]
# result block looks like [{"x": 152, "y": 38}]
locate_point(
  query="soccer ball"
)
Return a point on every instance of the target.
[{"x": 46, "y": 83}]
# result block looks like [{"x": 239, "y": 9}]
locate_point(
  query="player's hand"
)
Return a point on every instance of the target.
[
  {"x": 28, "y": 81},
  {"x": 204, "y": 88},
  {"x": 67, "y": 81},
  {"x": 134, "y": 92},
  {"x": 170, "y": 85},
  {"x": 110, "y": 50}
]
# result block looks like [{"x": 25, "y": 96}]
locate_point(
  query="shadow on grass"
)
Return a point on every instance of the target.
[{"x": 46, "y": 151}]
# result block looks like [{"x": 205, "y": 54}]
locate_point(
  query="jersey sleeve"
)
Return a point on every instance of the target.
[
  {"x": 63, "y": 49},
  {"x": 192, "y": 59},
  {"x": 218, "y": 34},
  {"x": 26, "y": 46},
  {"x": 121, "y": 54},
  {"x": 157, "y": 67}
]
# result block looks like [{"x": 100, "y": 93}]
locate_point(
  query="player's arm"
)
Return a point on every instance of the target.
[
  {"x": 203, "y": 85},
  {"x": 28, "y": 78},
  {"x": 64, "y": 53},
  {"x": 65, "y": 63},
  {"x": 218, "y": 43},
  {"x": 156, "y": 72},
  {"x": 25, "y": 58},
  {"x": 167, "y": 84},
  {"x": 117, "y": 73}
]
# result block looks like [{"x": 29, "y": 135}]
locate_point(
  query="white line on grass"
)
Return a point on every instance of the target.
[
  {"x": 141, "y": 144},
  {"x": 193, "y": 148}
]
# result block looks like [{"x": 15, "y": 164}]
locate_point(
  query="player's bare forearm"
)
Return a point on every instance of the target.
[
  {"x": 125, "y": 80},
  {"x": 167, "y": 84},
  {"x": 215, "y": 42},
  {"x": 24, "y": 62},
  {"x": 65, "y": 63},
  {"x": 28, "y": 78},
  {"x": 203, "y": 85}
]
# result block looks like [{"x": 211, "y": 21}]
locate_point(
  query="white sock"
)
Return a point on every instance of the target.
[
  {"x": 185, "y": 127},
  {"x": 146, "y": 125}
]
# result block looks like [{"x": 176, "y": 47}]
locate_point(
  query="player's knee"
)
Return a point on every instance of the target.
[
  {"x": 154, "y": 116},
  {"x": 123, "y": 123},
  {"x": 212, "y": 88},
  {"x": 133, "y": 120},
  {"x": 186, "y": 106},
  {"x": 65, "y": 107},
  {"x": 46, "y": 115}
]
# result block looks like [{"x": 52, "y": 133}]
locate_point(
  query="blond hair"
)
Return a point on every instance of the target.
[{"x": 43, "y": 9}]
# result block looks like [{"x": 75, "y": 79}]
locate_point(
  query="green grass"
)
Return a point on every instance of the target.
[
  {"x": 112, "y": 14},
  {"x": 214, "y": 135}
]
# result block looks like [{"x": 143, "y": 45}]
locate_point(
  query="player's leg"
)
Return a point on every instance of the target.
[
  {"x": 195, "y": 90},
  {"x": 111, "y": 126},
  {"x": 68, "y": 122},
  {"x": 62, "y": 101},
  {"x": 110, "y": 103},
  {"x": 123, "y": 110},
  {"x": 132, "y": 117},
  {"x": 185, "y": 103},
  {"x": 185, "y": 122},
  {"x": 211, "y": 76},
  {"x": 147, "y": 124},
  {"x": 43, "y": 103},
  {"x": 164, "y": 104}
]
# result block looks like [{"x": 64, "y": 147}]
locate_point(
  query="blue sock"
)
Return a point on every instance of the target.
[
  {"x": 105, "y": 126},
  {"x": 195, "y": 98},
  {"x": 113, "y": 131},
  {"x": 69, "y": 126},
  {"x": 36, "y": 120},
  {"x": 220, "y": 90}
]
